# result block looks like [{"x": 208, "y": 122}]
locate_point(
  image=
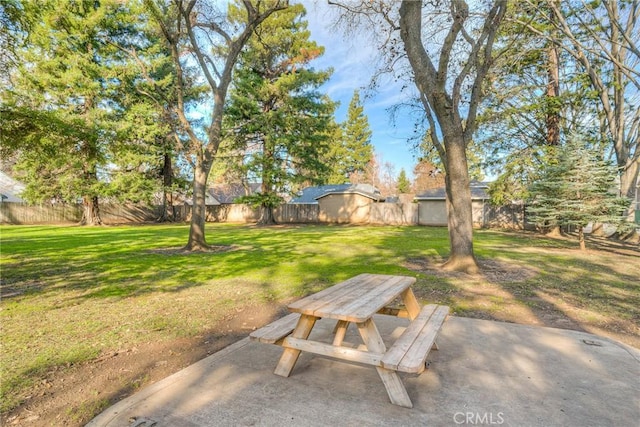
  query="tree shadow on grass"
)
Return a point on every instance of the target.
[{"x": 552, "y": 284}]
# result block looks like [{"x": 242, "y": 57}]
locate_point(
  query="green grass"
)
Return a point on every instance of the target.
[{"x": 73, "y": 293}]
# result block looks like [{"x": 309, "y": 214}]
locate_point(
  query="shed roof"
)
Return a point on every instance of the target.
[
  {"x": 312, "y": 194},
  {"x": 478, "y": 192},
  {"x": 10, "y": 189}
]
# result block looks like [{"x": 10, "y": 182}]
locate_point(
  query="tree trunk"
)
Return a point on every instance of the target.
[
  {"x": 91, "y": 211},
  {"x": 167, "y": 196},
  {"x": 197, "y": 241},
  {"x": 434, "y": 82},
  {"x": 553, "y": 92},
  {"x": 583, "y": 245},
  {"x": 553, "y": 231},
  {"x": 459, "y": 212},
  {"x": 266, "y": 216},
  {"x": 629, "y": 182}
]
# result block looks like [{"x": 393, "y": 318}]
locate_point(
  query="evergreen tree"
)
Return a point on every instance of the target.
[
  {"x": 276, "y": 117},
  {"x": 76, "y": 114},
  {"x": 575, "y": 191},
  {"x": 351, "y": 150},
  {"x": 404, "y": 185},
  {"x": 144, "y": 156},
  {"x": 63, "y": 75}
]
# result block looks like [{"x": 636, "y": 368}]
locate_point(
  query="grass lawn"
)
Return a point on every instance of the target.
[{"x": 72, "y": 294}]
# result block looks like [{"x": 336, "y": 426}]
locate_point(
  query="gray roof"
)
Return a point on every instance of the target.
[
  {"x": 228, "y": 193},
  {"x": 10, "y": 189},
  {"x": 312, "y": 194},
  {"x": 478, "y": 192},
  {"x": 224, "y": 194}
]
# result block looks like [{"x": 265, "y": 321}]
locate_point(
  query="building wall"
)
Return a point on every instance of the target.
[
  {"x": 297, "y": 213},
  {"x": 432, "y": 212},
  {"x": 477, "y": 213},
  {"x": 394, "y": 213},
  {"x": 344, "y": 208}
]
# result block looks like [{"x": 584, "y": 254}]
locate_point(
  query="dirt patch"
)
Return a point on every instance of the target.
[
  {"x": 182, "y": 251},
  {"x": 73, "y": 395},
  {"x": 499, "y": 291},
  {"x": 491, "y": 270}
]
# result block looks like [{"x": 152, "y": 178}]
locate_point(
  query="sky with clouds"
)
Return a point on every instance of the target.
[{"x": 354, "y": 60}]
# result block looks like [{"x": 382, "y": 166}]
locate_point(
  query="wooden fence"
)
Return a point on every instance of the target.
[{"x": 380, "y": 213}]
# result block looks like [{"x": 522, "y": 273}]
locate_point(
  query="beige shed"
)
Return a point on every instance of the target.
[
  {"x": 432, "y": 208},
  {"x": 349, "y": 205}
]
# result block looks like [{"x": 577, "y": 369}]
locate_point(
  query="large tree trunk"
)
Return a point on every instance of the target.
[
  {"x": 197, "y": 241},
  {"x": 459, "y": 208},
  {"x": 629, "y": 180},
  {"x": 266, "y": 216},
  {"x": 91, "y": 208},
  {"x": 91, "y": 211},
  {"x": 443, "y": 98}
]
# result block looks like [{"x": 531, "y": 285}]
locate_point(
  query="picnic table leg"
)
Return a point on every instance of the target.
[
  {"x": 391, "y": 380},
  {"x": 289, "y": 355},
  {"x": 411, "y": 303},
  {"x": 340, "y": 331}
]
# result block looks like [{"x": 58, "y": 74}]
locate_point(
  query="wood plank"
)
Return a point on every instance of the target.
[
  {"x": 340, "y": 332},
  {"x": 369, "y": 301},
  {"x": 394, "y": 311},
  {"x": 414, "y": 359},
  {"x": 392, "y": 383},
  {"x": 337, "y": 352},
  {"x": 371, "y": 337},
  {"x": 336, "y": 291},
  {"x": 395, "y": 388},
  {"x": 289, "y": 355},
  {"x": 393, "y": 357},
  {"x": 362, "y": 295},
  {"x": 390, "y": 293},
  {"x": 309, "y": 304},
  {"x": 333, "y": 308},
  {"x": 411, "y": 303},
  {"x": 274, "y": 331}
]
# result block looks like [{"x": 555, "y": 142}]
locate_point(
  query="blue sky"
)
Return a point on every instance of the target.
[{"x": 354, "y": 62}]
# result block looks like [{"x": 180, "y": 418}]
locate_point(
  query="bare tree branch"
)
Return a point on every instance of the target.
[
  {"x": 489, "y": 31},
  {"x": 459, "y": 13}
]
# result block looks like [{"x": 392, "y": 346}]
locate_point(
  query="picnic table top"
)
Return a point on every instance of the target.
[{"x": 354, "y": 300}]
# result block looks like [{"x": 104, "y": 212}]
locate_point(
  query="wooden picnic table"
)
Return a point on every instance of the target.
[{"x": 357, "y": 300}]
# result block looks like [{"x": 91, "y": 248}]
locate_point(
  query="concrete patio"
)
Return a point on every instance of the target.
[{"x": 485, "y": 373}]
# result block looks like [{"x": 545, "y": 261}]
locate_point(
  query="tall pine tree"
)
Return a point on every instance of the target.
[
  {"x": 75, "y": 114},
  {"x": 62, "y": 78},
  {"x": 352, "y": 151},
  {"x": 276, "y": 117},
  {"x": 404, "y": 185}
]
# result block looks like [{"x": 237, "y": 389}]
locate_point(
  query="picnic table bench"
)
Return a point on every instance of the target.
[{"x": 357, "y": 300}]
